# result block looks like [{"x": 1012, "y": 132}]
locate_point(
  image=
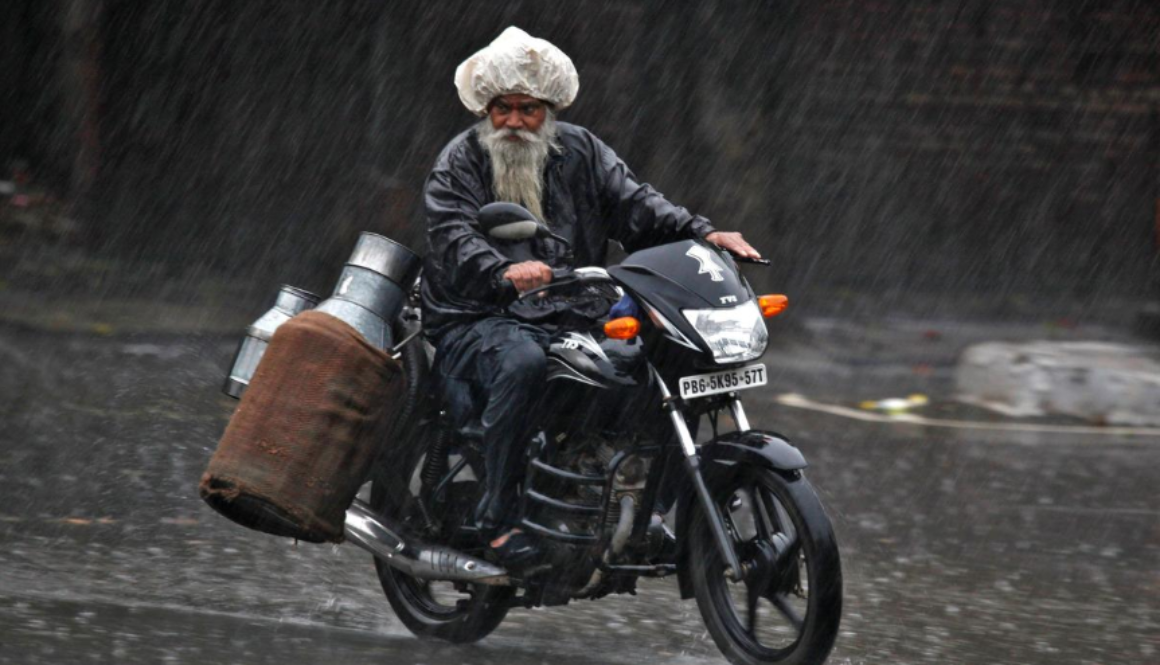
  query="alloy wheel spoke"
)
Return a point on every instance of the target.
[
  {"x": 788, "y": 552},
  {"x": 779, "y": 601},
  {"x": 760, "y": 513},
  {"x": 751, "y": 599},
  {"x": 769, "y": 511}
]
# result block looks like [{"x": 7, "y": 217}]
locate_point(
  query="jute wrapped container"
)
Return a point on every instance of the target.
[{"x": 306, "y": 431}]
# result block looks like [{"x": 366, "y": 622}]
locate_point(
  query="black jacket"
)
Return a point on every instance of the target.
[{"x": 590, "y": 197}]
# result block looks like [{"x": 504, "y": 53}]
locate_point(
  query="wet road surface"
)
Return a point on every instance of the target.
[{"x": 958, "y": 546}]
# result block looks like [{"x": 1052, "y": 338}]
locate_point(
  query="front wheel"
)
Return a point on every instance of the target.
[{"x": 788, "y": 604}]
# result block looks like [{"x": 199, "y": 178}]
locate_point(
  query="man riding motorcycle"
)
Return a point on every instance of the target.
[{"x": 490, "y": 359}]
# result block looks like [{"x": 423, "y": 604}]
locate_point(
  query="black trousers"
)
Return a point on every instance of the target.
[{"x": 495, "y": 370}]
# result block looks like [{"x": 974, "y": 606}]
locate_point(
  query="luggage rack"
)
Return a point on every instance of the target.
[{"x": 537, "y": 502}]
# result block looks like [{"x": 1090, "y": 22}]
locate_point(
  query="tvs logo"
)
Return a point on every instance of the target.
[{"x": 708, "y": 263}]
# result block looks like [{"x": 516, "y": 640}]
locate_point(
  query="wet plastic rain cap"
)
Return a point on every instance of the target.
[{"x": 514, "y": 63}]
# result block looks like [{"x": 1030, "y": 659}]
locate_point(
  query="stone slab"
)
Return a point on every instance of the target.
[{"x": 1101, "y": 382}]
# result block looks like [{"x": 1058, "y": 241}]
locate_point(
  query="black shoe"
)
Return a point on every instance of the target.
[{"x": 519, "y": 551}]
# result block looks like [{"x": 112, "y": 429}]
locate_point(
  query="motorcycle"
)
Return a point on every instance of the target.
[{"x": 615, "y": 445}]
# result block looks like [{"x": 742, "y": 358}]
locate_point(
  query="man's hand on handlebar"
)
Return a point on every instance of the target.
[
  {"x": 528, "y": 275},
  {"x": 531, "y": 275},
  {"x": 732, "y": 241}
]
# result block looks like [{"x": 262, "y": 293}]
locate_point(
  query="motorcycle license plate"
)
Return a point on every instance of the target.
[{"x": 725, "y": 381}]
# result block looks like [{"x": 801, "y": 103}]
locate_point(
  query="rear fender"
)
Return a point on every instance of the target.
[{"x": 718, "y": 458}]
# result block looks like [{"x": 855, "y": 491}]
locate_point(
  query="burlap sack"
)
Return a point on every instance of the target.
[{"x": 308, "y": 427}]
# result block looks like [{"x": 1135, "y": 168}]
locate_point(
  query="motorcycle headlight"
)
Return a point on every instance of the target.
[{"x": 734, "y": 335}]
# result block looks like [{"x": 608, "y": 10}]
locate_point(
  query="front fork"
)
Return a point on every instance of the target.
[{"x": 672, "y": 405}]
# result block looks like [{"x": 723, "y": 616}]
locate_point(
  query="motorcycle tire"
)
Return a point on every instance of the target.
[{"x": 793, "y": 597}]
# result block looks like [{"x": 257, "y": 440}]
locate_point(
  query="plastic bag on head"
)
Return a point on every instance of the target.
[{"x": 514, "y": 63}]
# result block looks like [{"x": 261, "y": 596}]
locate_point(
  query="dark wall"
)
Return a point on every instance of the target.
[
  {"x": 264, "y": 136},
  {"x": 1002, "y": 149},
  {"x": 236, "y": 132},
  {"x": 31, "y": 47},
  {"x": 995, "y": 148}
]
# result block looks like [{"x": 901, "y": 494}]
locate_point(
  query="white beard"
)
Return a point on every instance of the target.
[{"x": 518, "y": 166}]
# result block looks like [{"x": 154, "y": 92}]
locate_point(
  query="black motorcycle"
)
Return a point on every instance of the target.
[{"x": 615, "y": 446}]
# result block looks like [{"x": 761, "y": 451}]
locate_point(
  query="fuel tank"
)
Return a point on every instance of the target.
[
  {"x": 593, "y": 359},
  {"x": 595, "y": 381}
]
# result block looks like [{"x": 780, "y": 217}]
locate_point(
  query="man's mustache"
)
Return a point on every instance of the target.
[{"x": 523, "y": 134}]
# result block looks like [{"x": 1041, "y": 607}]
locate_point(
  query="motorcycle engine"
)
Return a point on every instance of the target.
[{"x": 595, "y": 456}]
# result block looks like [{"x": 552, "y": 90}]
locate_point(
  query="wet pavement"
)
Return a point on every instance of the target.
[{"x": 958, "y": 546}]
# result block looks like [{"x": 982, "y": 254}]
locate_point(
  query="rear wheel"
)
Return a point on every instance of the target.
[
  {"x": 788, "y": 605},
  {"x": 451, "y": 611}
]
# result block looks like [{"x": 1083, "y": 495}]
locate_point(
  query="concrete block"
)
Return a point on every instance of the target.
[{"x": 1116, "y": 384}]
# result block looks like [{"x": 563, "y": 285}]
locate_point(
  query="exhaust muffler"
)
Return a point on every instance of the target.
[{"x": 428, "y": 562}]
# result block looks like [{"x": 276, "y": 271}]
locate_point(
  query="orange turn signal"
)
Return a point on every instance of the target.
[
  {"x": 772, "y": 305},
  {"x": 626, "y": 327}
]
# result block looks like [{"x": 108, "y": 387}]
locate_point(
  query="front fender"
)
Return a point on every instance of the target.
[{"x": 752, "y": 447}]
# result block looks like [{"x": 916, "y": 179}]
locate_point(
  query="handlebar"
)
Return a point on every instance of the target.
[
  {"x": 588, "y": 275},
  {"x": 560, "y": 277}
]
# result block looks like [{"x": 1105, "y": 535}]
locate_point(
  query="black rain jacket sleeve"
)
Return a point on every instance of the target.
[{"x": 462, "y": 265}]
